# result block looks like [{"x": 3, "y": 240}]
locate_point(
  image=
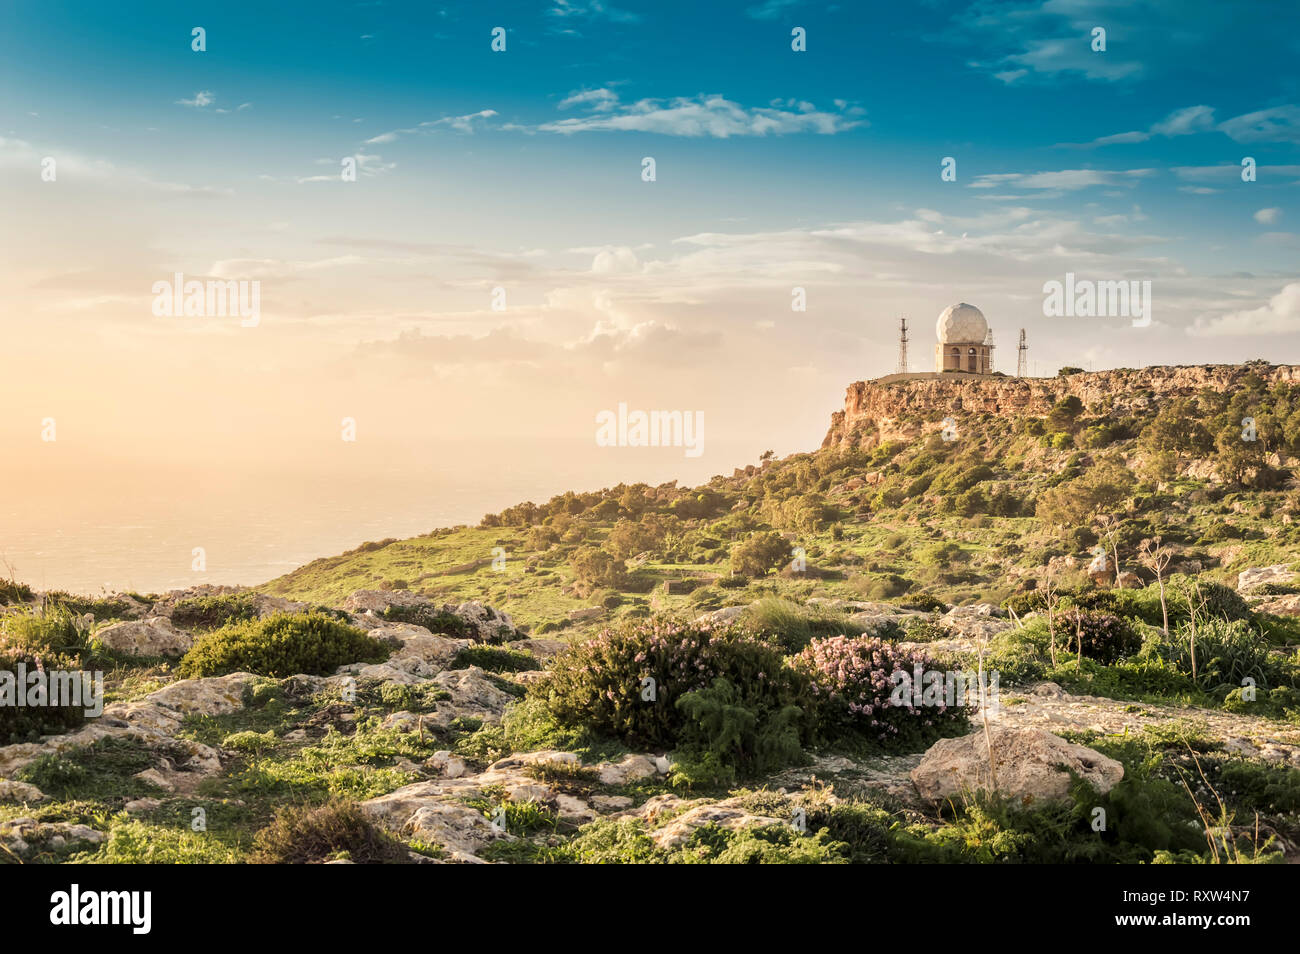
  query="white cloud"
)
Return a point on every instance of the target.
[
  {"x": 713, "y": 115},
  {"x": 769, "y": 9},
  {"x": 1268, "y": 216},
  {"x": 1280, "y": 316},
  {"x": 593, "y": 9},
  {"x": 1181, "y": 122},
  {"x": 598, "y": 99},
  {"x": 1230, "y": 171},
  {"x": 615, "y": 259},
  {"x": 202, "y": 98},
  {"x": 1064, "y": 179},
  {"x": 465, "y": 124},
  {"x": 1279, "y": 124}
]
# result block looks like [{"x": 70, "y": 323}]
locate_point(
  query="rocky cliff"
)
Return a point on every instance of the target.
[{"x": 899, "y": 407}]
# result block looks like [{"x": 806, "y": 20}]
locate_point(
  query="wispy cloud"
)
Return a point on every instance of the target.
[
  {"x": 202, "y": 98},
  {"x": 368, "y": 165},
  {"x": 593, "y": 10},
  {"x": 712, "y": 115},
  {"x": 465, "y": 124},
  {"x": 769, "y": 9},
  {"x": 1279, "y": 124},
  {"x": 1062, "y": 179},
  {"x": 1181, "y": 122}
]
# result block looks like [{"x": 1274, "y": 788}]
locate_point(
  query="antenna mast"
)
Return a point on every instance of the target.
[
  {"x": 1022, "y": 365},
  {"x": 902, "y": 346}
]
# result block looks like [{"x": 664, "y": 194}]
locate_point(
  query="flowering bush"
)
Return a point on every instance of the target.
[
  {"x": 603, "y": 684},
  {"x": 852, "y": 680}
]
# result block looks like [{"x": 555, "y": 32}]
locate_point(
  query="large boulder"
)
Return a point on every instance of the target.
[
  {"x": 490, "y": 624},
  {"x": 1249, "y": 580},
  {"x": 155, "y": 636},
  {"x": 1032, "y": 765}
]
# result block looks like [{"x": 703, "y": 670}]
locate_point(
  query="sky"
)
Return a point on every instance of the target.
[{"x": 499, "y": 271}]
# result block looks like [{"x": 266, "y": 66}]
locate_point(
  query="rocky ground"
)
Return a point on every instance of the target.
[{"x": 438, "y": 803}]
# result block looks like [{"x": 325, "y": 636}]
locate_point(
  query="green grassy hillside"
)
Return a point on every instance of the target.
[{"x": 974, "y": 519}]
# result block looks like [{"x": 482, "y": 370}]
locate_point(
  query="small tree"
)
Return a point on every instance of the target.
[
  {"x": 1153, "y": 555},
  {"x": 1108, "y": 531},
  {"x": 595, "y": 569},
  {"x": 1049, "y": 589},
  {"x": 758, "y": 553}
]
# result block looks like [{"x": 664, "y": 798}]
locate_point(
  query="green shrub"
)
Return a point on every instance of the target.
[
  {"x": 249, "y": 741},
  {"x": 11, "y": 591},
  {"x": 604, "y": 684},
  {"x": 1221, "y": 602},
  {"x": 924, "y": 602},
  {"x": 281, "y": 645},
  {"x": 312, "y": 834},
  {"x": 29, "y": 723},
  {"x": 494, "y": 659},
  {"x": 1106, "y": 638},
  {"x": 759, "y": 552},
  {"x": 135, "y": 842},
  {"x": 1226, "y": 654},
  {"x": 213, "y": 612},
  {"x": 793, "y": 626},
  {"x": 727, "y": 731},
  {"x": 101, "y": 607},
  {"x": 628, "y": 841},
  {"x": 433, "y": 618},
  {"x": 921, "y": 630},
  {"x": 53, "y": 630}
]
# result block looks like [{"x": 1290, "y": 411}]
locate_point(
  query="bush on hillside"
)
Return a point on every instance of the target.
[
  {"x": 213, "y": 612},
  {"x": 1226, "y": 654},
  {"x": 281, "y": 645},
  {"x": 855, "y": 687},
  {"x": 51, "y": 631},
  {"x": 1106, "y": 638},
  {"x": 494, "y": 659},
  {"x": 11, "y": 591},
  {"x": 758, "y": 553},
  {"x": 28, "y": 723},
  {"x": 602, "y": 684},
  {"x": 1210, "y": 599},
  {"x": 314, "y": 834},
  {"x": 433, "y": 618},
  {"x": 793, "y": 626}
]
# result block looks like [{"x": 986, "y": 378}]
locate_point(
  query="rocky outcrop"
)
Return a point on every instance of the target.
[
  {"x": 436, "y": 811},
  {"x": 1255, "y": 577},
  {"x": 155, "y": 636},
  {"x": 902, "y": 407},
  {"x": 1031, "y": 765},
  {"x": 486, "y": 624}
]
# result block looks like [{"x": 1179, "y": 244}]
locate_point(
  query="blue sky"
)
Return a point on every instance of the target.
[
  {"x": 499, "y": 274},
  {"x": 1000, "y": 86},
  {"x": 521, "y": 170}
]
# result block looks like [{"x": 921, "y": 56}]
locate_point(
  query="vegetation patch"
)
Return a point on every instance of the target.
[{"x": 282, "y": 645}]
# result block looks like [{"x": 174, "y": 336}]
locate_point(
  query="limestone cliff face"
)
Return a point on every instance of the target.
[{"x": 901, "y": 407}]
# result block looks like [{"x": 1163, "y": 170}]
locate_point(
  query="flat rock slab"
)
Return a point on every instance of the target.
[{"x": 1030, "y": 765}]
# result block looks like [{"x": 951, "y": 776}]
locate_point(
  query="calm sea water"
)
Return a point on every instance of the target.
[{"x": 88, "y": 524}]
